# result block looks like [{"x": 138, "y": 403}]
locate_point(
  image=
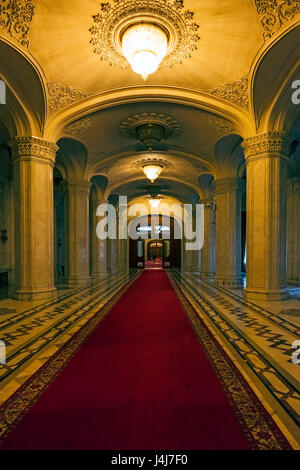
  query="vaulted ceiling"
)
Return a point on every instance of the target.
[{"x": 236, "y": 83}]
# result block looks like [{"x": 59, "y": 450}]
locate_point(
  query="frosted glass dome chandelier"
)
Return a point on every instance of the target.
[
  {"x": 144, "y": 46},
  {"x": 152, "y": 171}
]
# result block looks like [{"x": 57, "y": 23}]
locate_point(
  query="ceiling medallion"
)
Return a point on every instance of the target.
[
  {"x": 144, "y": 33},
  {"x": 152, "y": 161},
  {"x": 150, "y": 128}
]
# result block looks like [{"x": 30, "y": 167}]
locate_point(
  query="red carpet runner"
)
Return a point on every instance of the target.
[{"x": 141, "y": 381}]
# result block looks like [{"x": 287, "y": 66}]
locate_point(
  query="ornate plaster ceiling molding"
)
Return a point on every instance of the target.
[
  {"x": 79, "y": 128},
  {"x": 171, "y": 127},
  {"x": 275, "y": 13},
  {"x": 15, "y": 19},
  {"x": 172, "y": 16},
  {"x": 165, "y": 164},
  {"x": 61, "y": 96},
  {"x": 236, "y": 92},
  {"x": 108, "y": 166},
  {"x": 222, "y": 125}
]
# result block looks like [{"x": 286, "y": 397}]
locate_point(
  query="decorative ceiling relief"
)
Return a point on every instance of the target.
[
  {"x": 61, "y": 96},
  {"x": 79, "y": 128},
  {"x": 152, "y": 161},
  {"x": 114, "y": 19},
  {"x": 150, "y": 128},
  {"x": 15, "y": 19},
  {"x": 275, "y": 13},
  {"x": 223, "y": 126},
  {"x": 236, "y": 92}
]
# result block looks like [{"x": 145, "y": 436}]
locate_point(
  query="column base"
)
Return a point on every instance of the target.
[
  {"x": 204, "y": 275},
  {"x": 231, "y": 283},
  {"x": 36, "y": 294},
  {"x": 294, "y": 282},
  {"x": 73, "y": 282},
  {"x": 266, "y": 296},
  {"x": 95, "y": 276}
]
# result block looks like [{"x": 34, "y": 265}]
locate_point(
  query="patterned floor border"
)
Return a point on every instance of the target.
[
  {"x": 262, "y": 431},
  {"x": 12, "y": 411},
  {"x": 284, "y": 392}
]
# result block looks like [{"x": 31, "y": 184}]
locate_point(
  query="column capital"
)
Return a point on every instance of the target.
[
  {"x": 269, "y": 144},
  {"x": 294, "y": 184},
  {"x": 228, "y": 185},
  {"x": 79, "y": 187},
  {"x": 33, "y": 149},
  {"x": 97, "y": 200}
]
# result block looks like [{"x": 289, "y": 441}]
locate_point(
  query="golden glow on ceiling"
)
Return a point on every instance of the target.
[
  {"x": 152, "y": 172},
  {"x": 144, "y": 46}
]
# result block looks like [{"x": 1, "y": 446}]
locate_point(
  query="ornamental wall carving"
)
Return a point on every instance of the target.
[
  {"x": 15, "y": 19},
  {"x": 61, "y": 96},
  {"x": 223, "y": 126},
  {"x": 236, "y": 92},
  {"x": 276, "y": 13},
  {"x": 79, "y": 128},
  {"x": 33, "y": 148},
  {"x": 270, "y": 144}
]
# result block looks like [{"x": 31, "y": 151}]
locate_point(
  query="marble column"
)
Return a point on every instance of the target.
[
  {"x": 208, "y": 252},
  {"x": 293, "y": 231},
  {"x": 98, "y": 247},
  {"x": 228, "y": 232},
  {"x": 266, "y": 157},
  {"x": 191, "y": 258},
  {"x": 33, "y": 161},
  {"x": 77, "y": 240}
]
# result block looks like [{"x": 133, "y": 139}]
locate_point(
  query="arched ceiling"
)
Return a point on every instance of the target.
[
  {"x": 60, "y": 41},
  {"x": 67, "y": 94}
]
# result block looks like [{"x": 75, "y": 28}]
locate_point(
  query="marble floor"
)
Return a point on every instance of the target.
[
  {"x": 257, "y": 336},
  {"x": 34, "y": 331}
]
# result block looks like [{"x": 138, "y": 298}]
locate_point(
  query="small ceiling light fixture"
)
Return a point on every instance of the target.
[
  {"x": 144, "y": 45},
  {"x": 154, "y": 203},
  {"x": 152, "y": 171}
]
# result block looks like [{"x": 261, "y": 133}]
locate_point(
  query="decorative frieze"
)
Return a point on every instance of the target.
[
  {"x": 60, "y": 96},
  {"x": 32, "y": 148},
  {"x": 15, "y": 19},
  {"x": 269, "y": 144},
  {"x": 274, "y": 14}
]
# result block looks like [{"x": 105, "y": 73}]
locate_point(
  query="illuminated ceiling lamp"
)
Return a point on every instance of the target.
[
  {"x": 154, "y": 203},
  {"x": 144, "y": 45},
  {"x": 152, "y": 171}
]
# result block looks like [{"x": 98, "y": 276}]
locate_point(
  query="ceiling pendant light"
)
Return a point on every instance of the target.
[
  {"x": 154, "y": 203},
  {"x": 152, "y": 171},
  {"x": 144, "y": 45}
]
